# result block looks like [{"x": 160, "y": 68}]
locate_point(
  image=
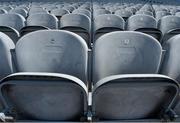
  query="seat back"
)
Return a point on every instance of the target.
[
  {"x": 168, "y": 23},
  {"x": 82, "y": 11},
  {"x": 145, "y": 13},
  {"x": 128, "y": 53},
  {"x": 98, "y": 12},
  {"x": 107, "y": 23},
  {"x": 141, "y": 21},
  {"x": 170, "y": 64},
  {"x": 77, "y": 23},
  {"x": 125, "y": 14},
  {"x": 22, "y": 12},
  {"x": 59, "y": 12},
  {"x": 46, "y": 20},
  {"x": 15, "y": 21},
  {"x": 56, "y": 54},
  {"x": 11, "y": 32},
  {"x": 160, "y": 14},
  {"x": 37, "y": 10}
]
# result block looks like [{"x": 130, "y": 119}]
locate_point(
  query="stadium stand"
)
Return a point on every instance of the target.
[{"x": 89, "y": 61}]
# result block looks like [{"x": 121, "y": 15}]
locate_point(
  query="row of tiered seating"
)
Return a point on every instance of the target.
[{"x": 89, "y": 61}]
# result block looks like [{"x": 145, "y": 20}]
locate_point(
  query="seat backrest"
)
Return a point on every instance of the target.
[
  {"x": 82, "y": 11},
  {"x": 15, "y": 21},
  {"x": 125, "y": 53},
  {"x": 168, "y": 23},
  {"x": 76, "y": 20},
  {"x": 100, "y": 12},
  {"x": 108, "y": 21},
  {"x": 37, "y": 10},
  {"x": 145, "y": 13},
  {"x": 170, "y": 65},
  {"x": 22, "y": 12},
  {"x": 59, "y": 12},
  {"x": 52, "y": 51},
  {"x": 123, "y": 13},
  {"x": 6, "y": 61},
  {"x": 160, "y": 14},
  {"x": 46, "y": 20},
  {"x": 141, "y": 21}
]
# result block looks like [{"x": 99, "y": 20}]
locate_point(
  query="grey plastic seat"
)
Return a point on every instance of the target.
[
  {"x": 82, "y": 11},
  {"x": 51, "y": 83},
  {"x": 177, "y": 14},
  {"x": 169, "y": 26},
  {"x": 170, "y": 64},
  {"x": 85, "y": 7},
  {"x": 145, "y": 13},
  {"x": 6, "y": 61},
  {"x": 10, "y": 24},
  {"x": 160, "y": 14},
  {"x": 39, "y": 22},
  {"x": 98, "y": 12},
  {"x": 126, "y": 83},
  {"x": 144, "y": 23},
  {"x": 133, "y": 10},
  {"x": 22, "y": 12},
  {"x": 125, "y": 14},
  {"x": 77, "y": 23},
  {"x": 59, "y": 12},
  {"x": 107, "y": 23},
  {"x": 37, "y": 10}
]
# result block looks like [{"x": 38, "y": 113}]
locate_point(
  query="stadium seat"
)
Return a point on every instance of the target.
[
  {"x": 125, "y": 14},
  {"x": 170, "y": 64},
  {"x": 169, "y": 26},
  {"x": 39, "y": 22},
  {"x": 6, "y": 61},
  {"x": 160, "y": 14},
  {"x": 82, "y": 11},
  {"x": 144, "y": 23},
  {"x": 51, "y": 83},
  {"x": 37, "y": 10},
  {"x": 11, "y": 24},
  {"x": 98, "y": 12},
  {"x": 77, "y": 23},
  {"x": 59, "y": 12},
  {"x": 22, "y": 12},
  {"x": 145, "y": 13},
  {"x": 107, "y": 23},
  {"x": 126, "y": 83}
]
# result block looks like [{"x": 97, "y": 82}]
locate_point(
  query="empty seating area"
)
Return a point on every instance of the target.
[{"x": 90, "y": 61}]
